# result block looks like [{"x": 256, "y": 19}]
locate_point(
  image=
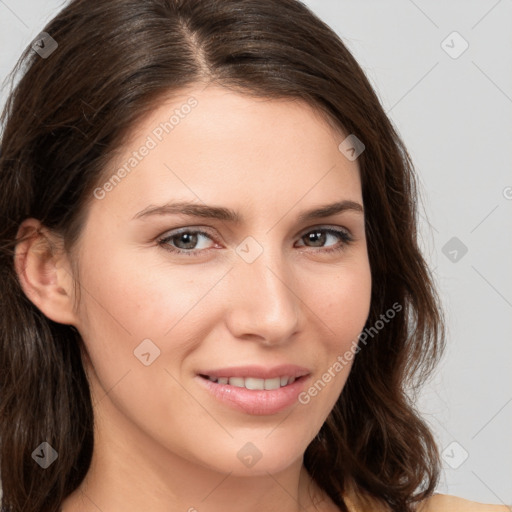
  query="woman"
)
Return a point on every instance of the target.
[{"x": 212, "y": 292}]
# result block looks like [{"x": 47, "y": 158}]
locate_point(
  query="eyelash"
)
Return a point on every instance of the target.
[{"x": 345, "y": 237}]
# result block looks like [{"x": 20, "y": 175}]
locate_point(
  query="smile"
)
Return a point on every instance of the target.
[{"x": 253, "y": 382}]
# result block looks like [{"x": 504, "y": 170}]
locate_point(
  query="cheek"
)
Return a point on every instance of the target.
[
  {"x": 127, "y": 301},
  {"x": 341, "y": 301},
  {"x": 341, "y": 305},
  {"x": 126, "y": 295},
  {"x": 129, "y": 310}
]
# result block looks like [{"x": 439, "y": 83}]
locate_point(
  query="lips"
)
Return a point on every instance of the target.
[{"x": 255, "y": 390}]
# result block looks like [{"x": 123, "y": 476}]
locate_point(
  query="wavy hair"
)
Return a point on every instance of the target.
[{"x": 63, "y": 121}]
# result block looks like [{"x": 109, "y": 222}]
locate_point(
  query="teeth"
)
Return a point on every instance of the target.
[
  {"x": 235, "y": 381},
  {"x": 254, "y": 383},
  {"x": 251, "y": 383},
  {"x": 271, "y": 383}
]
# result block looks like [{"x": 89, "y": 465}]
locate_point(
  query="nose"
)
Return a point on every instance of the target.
[{"x": 263, "y": 305}]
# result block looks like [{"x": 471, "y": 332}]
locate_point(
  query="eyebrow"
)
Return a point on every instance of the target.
[{"x": 228, "y": 215}]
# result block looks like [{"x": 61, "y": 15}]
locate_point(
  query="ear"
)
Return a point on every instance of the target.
[{"x": 44, "y": 272}]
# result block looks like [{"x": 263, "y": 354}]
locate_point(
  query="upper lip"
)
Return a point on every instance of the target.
[{"x": 259, "y": 372}]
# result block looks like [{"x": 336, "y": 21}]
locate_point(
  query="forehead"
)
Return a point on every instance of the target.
[{"x": 212, "y": 144}]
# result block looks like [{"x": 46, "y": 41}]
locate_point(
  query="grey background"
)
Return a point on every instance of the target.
[{"x": 454, "y": 115}]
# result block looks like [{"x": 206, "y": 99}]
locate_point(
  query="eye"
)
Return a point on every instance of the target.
[
  {"x": 320, "y": 235},
  {"x": 186, "y": 240}
]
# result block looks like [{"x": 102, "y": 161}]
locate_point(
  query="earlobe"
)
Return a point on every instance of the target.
[{"x": 44, "y": 273}]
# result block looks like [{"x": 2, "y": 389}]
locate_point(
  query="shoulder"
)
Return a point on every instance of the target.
[{"x": 447, "y": 503}]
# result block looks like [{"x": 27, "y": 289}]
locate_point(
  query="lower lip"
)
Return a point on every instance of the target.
[{"x": 256, "y": 401}]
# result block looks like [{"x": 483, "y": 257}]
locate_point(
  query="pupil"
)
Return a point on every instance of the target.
[
  {"x": 192, "y": 239},
  {"x": 317, "y": 234}
]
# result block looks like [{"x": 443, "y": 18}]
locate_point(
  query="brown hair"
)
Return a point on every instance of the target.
[{"x": 63, "y": 122}]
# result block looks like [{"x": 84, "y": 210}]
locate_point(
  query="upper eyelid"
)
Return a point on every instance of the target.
[{"x": 206, "y": 231}]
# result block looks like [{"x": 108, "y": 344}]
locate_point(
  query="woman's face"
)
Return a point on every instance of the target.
[{"x": 265, "y": 290}]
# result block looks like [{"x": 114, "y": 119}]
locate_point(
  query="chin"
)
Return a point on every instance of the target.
[{"x": 253, "y": 457}]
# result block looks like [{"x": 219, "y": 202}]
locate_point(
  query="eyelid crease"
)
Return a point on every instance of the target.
[{"x": 205, "y": 230}]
